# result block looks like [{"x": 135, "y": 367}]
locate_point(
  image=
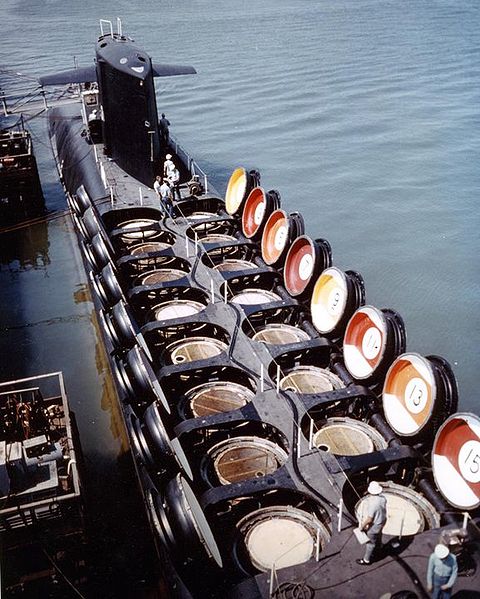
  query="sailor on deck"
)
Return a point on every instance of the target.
[
  {"x": 442, "y": 572},
  {"x": 174, "y": 180},
  {"x": 168, "y": 165},
  {"x": 163, "y": 191},
  {"x": 157, "y": 183},
  {"x": 374, "y": 518},
  {"x": 163, "y": 125}
]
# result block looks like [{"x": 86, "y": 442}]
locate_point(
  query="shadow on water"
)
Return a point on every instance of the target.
[
  {"x": 24, "y": 248},
  {"x": 121, "y": 551},
  {"x": 47, "y": 323}
]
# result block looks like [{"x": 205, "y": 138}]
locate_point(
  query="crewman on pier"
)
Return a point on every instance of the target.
[{"x": 373, "y": 521}]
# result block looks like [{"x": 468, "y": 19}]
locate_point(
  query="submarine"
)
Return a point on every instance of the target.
[{"x": 261, "y": 393}]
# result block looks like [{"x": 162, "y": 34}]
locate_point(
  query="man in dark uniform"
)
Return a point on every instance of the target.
[{"x": 163, "y": 125}]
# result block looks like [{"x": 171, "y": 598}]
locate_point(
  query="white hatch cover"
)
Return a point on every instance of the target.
[
  {"x": 329, "y": 299},
  {"x": 254, "y": 212},
  {"x": 255, "y": 296},
  {"x": 243, "y": 458},
  {"x": 177, "y": 309},
  {"x": 275, "y": 236},
  {"x": 233, "y": 264},
  {"x": 217, "y": 238},
  {"x": 280, "y": 334},
  {"x": 236, "y": 188},
  {"x": 409, "y": 394},
  {"x": 217, "y": 397},
  {"x": 147, "y": 248},
  {"x": 281, "y": 542},
  {"x": 200, "y": 215},
  {"x": 365, "y": 342},
  {"x": 162, "y": 275},
  {"x": 195, "y": 348},
  {"x": 345, "y": 437},
  {"x": 135, "y": 224},
  {"x": 281, "y": 536},
  {"x": 310, "y": 379},
  {"x": 456, "y": 460}
]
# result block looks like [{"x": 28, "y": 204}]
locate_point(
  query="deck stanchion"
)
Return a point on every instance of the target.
[
  {"x": 45, "y": 105},
  {"x": 262, "y": 388},
  {"x": 111, "y": 197},
  {"x": 140, "y": 196},
  {"x": 340, "y": 514},
  {"x": 401, "y": 526},
  {"x": 310, "y": 434},
  {"x": 272, "y": 579},
  {"x": 317, "y": 546},
  {"x": 278, "y": 378},
  {"x": 4, "y": 103},
  {"x": 212, "y": 291}
]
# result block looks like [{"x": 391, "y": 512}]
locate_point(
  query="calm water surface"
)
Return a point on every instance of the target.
[{"x": 363, "y": 114}]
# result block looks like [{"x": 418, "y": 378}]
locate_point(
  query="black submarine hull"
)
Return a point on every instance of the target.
[{"x": 240, "y": 500}]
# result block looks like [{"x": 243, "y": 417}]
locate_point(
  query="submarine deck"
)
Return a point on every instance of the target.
[{"x": 402, "y": 568}]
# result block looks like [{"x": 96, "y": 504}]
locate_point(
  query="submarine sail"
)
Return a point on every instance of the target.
[{"x": 124, "y": 73}]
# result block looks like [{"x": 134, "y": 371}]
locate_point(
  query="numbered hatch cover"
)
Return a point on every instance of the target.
[
  {"x": 329, "y": 299},
  {"x": 306, "y": 258},
  {"x": 254, "y": 212},
  {"x": 456, "y": 460},
  {"x": 409, "y": 394},
  {"x": 275, "y": 237},
  {"x": 365, "y": 342}
]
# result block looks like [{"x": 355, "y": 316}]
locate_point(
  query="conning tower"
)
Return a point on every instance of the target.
[
  {"x": 127, "y": 95},
  {"x": 124, "y": 74}
]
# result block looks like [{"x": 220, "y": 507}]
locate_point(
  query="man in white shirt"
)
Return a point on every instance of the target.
[
  {"x": 166, "y": 197},
  {"x": 157, "y": 183},
  {"x": 162, "y": 189},
  {"x": 442, "y": 572},
  {"x": 174, "y": 180},
  {"x": 168, "y": 165},
  {"x": 373, "y": 521}
]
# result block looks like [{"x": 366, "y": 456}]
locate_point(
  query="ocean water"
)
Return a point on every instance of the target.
[{"x": 364, "y": 114}]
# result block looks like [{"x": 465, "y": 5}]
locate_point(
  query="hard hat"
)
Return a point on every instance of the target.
[
  {"x": 168, "y": 156},
  {"x": 374, "y": 488},
  {"x": 441, "y": 551}
]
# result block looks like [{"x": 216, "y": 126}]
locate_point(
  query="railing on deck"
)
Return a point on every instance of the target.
[{"x": 189, "y": 162}]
